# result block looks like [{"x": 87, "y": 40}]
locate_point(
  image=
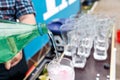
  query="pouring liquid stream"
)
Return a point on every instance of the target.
[{"x": 53, "y": 42}]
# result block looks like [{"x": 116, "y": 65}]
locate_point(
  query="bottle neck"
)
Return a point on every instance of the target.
[{"x": 42, "y": 28}]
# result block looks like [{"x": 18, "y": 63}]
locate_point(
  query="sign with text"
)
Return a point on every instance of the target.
[{"x": 47, "y": 10}]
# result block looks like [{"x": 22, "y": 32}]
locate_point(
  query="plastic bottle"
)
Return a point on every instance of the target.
[{"x": 15, "y": 36}]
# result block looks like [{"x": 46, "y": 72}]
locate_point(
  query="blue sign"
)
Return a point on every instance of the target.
[{"x": 46, "y": 11}]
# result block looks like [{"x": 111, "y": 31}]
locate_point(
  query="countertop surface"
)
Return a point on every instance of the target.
[{"x": 111, "y": 8}]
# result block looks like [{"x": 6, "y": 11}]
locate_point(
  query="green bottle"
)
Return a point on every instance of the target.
[{"x": 15, "y": 36}]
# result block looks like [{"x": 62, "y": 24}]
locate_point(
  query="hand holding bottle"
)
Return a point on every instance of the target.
[{"x": 14, "y": 61}]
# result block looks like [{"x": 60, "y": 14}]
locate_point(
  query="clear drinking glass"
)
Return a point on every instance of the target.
[
  {"x": 101, "y": 41},
  {"x": 67, "y": 29},
  {"x": 78, "y": 58},
  {"x": 87, "y": 40},
  {"x": 62, "y": 70}
]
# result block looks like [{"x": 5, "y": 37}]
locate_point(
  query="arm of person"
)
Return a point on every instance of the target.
[{"x": 28, "y": 19}]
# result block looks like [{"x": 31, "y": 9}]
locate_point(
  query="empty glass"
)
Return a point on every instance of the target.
[
  {"x": 78, "y": 58},
  {"x": 67, "y": 29},
  {"x": 101, "y": 41},
  {"x": 81, "y": 32}
]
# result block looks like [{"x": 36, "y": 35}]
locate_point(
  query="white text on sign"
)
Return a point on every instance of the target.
[{"x": 52, "y": 9}]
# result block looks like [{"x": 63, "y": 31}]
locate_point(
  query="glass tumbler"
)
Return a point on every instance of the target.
[{"x": 62, "y": 70}]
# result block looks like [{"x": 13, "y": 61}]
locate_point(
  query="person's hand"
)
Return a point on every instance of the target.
[{"x": 14, "y": 61}]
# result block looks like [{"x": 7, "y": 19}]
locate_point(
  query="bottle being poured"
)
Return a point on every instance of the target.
[{"x": 15, "y": 36}]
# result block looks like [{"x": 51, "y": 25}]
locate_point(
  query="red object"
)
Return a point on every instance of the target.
[
  {"x": 118, "y": 36},
  {"x": 30, "y": 70}
]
